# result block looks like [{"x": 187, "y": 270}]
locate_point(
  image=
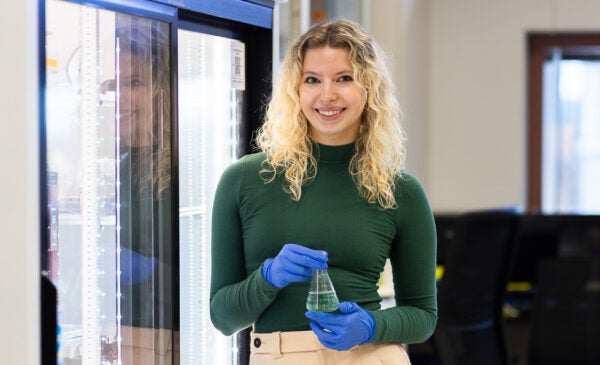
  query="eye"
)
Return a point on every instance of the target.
[
  {"x": 311, "y": 80},
  {"x": 136, "y": 83},
  {"x": 345, "y": 78}
]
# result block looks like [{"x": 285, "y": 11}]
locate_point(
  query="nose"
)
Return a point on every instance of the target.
[{"x": 328, "y": 92}]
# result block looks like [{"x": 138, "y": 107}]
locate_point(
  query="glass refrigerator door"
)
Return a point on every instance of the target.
[
  {"x": 109, "y": 175},
  {"x": 211, "y": 94}
]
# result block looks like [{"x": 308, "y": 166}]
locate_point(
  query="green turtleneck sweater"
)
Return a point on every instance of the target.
[{"x": 252, "y": 220}]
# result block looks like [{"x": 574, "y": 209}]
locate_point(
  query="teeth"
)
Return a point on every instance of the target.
[{"x": 329, "y": 112}]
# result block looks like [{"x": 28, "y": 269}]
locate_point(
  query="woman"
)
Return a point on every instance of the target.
[
  {"x": 147, "y": 313},
  {"x": 328, "y": 191}
]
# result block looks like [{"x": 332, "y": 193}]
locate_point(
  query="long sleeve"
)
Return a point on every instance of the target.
[
  {"x": 253, "y": 219},
  {"x": 236, "y": 299},
  {"x": 413, "y": 258}
]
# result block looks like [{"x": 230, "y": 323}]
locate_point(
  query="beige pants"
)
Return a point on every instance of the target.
[
  {"x": 148, "y": 346},
  {"x": 304, "y": 348}
]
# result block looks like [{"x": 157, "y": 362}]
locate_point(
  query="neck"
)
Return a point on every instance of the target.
[{"x": 341, "y": 153}]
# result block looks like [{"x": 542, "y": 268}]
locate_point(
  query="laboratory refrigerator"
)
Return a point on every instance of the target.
[{"x": 143, "y": 105}]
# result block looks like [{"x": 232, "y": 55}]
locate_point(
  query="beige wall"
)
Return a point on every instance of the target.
[
  {"x": 461, "y": 71},
  {"x": 19, "y": 203},
  {"x": 400, "y": 29}
]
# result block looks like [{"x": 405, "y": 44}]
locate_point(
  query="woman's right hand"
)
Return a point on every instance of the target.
[{"x": 294, "y": 263}]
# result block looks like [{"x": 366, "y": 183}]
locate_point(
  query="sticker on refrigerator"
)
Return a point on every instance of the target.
[{"x": 238, "y": 68}]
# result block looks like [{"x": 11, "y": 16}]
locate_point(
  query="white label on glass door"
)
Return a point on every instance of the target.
[{"x": 238, "y": 68}]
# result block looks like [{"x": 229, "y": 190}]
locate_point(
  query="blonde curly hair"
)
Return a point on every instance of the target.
[{"x": 379, "y": 150}]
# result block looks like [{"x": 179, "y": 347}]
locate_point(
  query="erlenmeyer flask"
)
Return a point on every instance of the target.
[{"x": 321, "y": 294}]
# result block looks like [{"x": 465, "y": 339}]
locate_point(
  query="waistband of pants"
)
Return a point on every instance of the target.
[{"x": 276, "y": 343}]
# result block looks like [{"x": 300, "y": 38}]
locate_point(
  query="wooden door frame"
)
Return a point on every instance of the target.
[{"x": 539, "y": 47}]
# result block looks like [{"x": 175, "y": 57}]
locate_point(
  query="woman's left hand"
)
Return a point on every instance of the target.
[{"x": 354, "y": 326}]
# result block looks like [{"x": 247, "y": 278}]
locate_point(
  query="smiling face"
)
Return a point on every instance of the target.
[
  {"x": 135, "y": 101},
  {"x": 330, "y": 98}
]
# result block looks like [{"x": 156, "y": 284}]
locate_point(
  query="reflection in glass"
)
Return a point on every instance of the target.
[
  {"x": 144, "y": 235},
  {"x": 211, "y": 93},
  {"x": 109, "y": 176}
]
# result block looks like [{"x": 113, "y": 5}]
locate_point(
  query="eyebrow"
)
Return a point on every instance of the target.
[{"x": 336, "y": 74}]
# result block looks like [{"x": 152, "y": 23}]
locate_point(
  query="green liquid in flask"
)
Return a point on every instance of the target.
[{"x": 322, "y": 302}]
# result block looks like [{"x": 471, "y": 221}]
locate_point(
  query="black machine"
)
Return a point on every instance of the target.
[{"x": 471, "y": 292}]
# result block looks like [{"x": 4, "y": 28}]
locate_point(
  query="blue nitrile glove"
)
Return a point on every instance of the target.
[
  {"x": 292, "y": 264},
  {"x": 354, "y": 326},
  {"x": 135, "y": 268}
]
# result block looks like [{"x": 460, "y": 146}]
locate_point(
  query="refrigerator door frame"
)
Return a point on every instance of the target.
[
  {"x": 141, "y": 8},
  {"x": 253, "y": 12},
  {"x": 144, "y": 9},
  {"x": 258, "y": 64}
]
